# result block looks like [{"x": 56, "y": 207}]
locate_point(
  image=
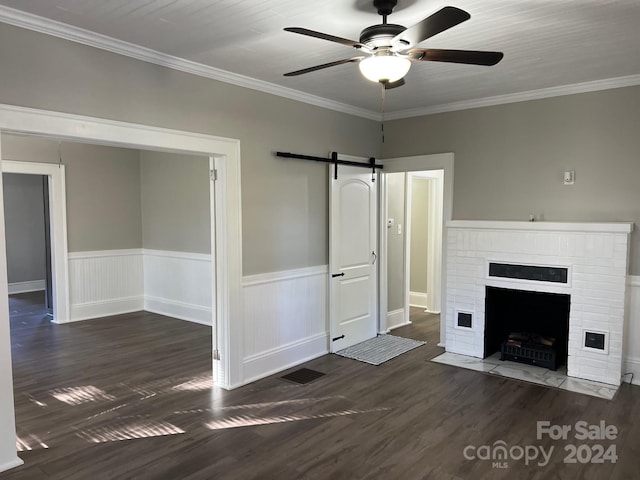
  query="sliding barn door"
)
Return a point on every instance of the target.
[{"x": 353, "y": 254}]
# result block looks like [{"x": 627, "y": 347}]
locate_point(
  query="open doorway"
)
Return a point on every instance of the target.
[
  {"x": 225, "y": 156},
  {"x": 28, "y": 245},
  {"x": 423, "y": 241},
  {"x": 414, "y": 251},
  {"x": 398, "y": 205}
]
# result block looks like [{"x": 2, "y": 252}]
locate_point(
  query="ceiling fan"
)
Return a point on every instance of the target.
[{"x": 388, "y": 49}]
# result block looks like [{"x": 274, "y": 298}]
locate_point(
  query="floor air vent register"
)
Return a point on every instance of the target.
[{"x": 302, "y": 376}]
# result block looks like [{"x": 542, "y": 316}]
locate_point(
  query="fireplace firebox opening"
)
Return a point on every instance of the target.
[{"x": 526, "y": 326}]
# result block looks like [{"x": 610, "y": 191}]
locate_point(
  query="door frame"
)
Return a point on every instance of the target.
[
  {"x": 226, "y": 260},
  {"x": 434, "y": 240},
  {"x": 55, "y": 175},
  {"x": 439, "y": 161}
]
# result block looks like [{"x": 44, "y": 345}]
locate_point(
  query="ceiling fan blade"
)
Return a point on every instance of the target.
[
  {"x": 440, "y": 21},
  {"x": 324, "y": 65},
  {"x": 470, "y": 57},
  {"x": 325, "y": 36},
  {"x": 396, "y": 84}
]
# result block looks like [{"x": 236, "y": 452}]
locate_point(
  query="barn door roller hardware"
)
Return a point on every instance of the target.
[{"x": 335, "y": 161}]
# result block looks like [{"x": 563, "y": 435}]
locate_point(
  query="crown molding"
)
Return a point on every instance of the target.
[
  {"x": 65, "y": 31},
  {"x": 585, "y": 87}
]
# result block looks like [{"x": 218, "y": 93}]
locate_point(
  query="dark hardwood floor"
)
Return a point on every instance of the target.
[{"x": 129, "y": 397}]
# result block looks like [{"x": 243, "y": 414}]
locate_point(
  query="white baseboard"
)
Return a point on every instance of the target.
[
  {"x": 16, "y": 462},
  {"x": 284, "y": 357},
  {"x": 395, "y": 319},
  {"x": 180, "y": 310},
  {"x": 631, "y": 365},
  {"x": 26, "y": 287},
  {"x": 86, "y": 311},
  {"x": 418, "y": 299}
]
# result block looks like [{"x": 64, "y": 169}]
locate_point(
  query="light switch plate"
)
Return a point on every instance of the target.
[{"x": 569, "y": 177}]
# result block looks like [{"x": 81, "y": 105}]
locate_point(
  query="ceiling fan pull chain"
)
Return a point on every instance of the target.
[{"x": 384, "y": 93}]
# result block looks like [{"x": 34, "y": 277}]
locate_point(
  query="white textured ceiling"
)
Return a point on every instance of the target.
[{"x": 547, "y": 43}]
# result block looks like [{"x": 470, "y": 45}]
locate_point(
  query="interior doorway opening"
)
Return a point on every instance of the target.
[
  {"x": 414, "y": 202},
  {"x": 394, "y": 293},
  {"x": 28, "y": 240},
  {"x": 227, "y": 372}
]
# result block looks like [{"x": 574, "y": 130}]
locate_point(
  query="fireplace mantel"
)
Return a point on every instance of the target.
[
  {"x": 595, "y": 227},
  {"x": 595, "y": 256}
]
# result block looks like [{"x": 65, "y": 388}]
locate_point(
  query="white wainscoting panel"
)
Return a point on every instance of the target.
[
  {"x": 418, "y": 299},
  {"x": 395, "y": 319},
  {"x": 104, "y": 283},
  {"x": 631, "y": 362},
  {"x": 179, "y": 285},
  {"x": 26, "y": 287},
  {"x": 285, "y": 320}
]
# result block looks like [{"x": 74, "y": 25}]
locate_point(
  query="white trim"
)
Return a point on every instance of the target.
[
  {"x": 87, "y": 311},
  {"x": 180, "y": 310},
  {"x": 616, "y": 227},
  {"x": 418, "y": 299},
  {"x": 198, "y": 257},
  {"x": 58, "y": 218},
  {"x": 227, "y": 213},
  {"x": 395, "y": 319},
  {"x": 262, "y": 278},
  {"x": 435, "y": 241},
  {"x": 16, "y": 462},
  {"x": 633, "y": 280},
  {"x": 69, "y": 126},
  {"x": 26, "y": 287},
  {"x": 408, "y": 204},
  {"x": 383, "y": 268},
  {"x": 277, "y": 359},
  {"x": 47, "y": 26},
  {"x": 585, "y": 87},
  {"x": 105, "y": 253}
]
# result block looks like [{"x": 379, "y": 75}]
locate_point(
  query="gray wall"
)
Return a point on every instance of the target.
[
  {"x": 509, "y": 159},
  {"x": 395, "y": 242},
  {"x": 103, "y": 190},
  {"x": 24, "y": 227},
  {"x": 175, "y": 202},
  {"x": 419, "y": 234},
  {"x": 284, "y": 202}
]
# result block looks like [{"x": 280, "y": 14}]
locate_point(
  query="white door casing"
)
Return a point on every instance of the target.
[
  {"x": 228, "y": 229},
  {"x": 58, "y": 214},
  {"x": 439, "y": 161},
  {"x": 352, "y": 257}
]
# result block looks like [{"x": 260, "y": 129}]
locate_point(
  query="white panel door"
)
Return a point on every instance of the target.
[{"x": 352, "y": 262}]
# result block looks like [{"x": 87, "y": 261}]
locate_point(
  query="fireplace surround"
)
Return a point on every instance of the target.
[{"x": 582, "y": 264}]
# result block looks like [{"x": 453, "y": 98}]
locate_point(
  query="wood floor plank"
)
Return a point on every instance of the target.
[{"x": 129, "y": 397}]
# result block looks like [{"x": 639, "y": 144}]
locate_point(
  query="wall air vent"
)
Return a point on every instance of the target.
[
  {"x": 596, "y": 340},
  {"x": 529, "y": 272},
  {"x": 464, "y": 320}
]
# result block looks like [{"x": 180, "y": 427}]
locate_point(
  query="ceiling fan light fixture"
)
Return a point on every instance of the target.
[{"x": 384, "y": 68}]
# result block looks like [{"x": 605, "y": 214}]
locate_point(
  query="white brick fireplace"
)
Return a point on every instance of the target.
[{"x": 593, "y": 256}]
